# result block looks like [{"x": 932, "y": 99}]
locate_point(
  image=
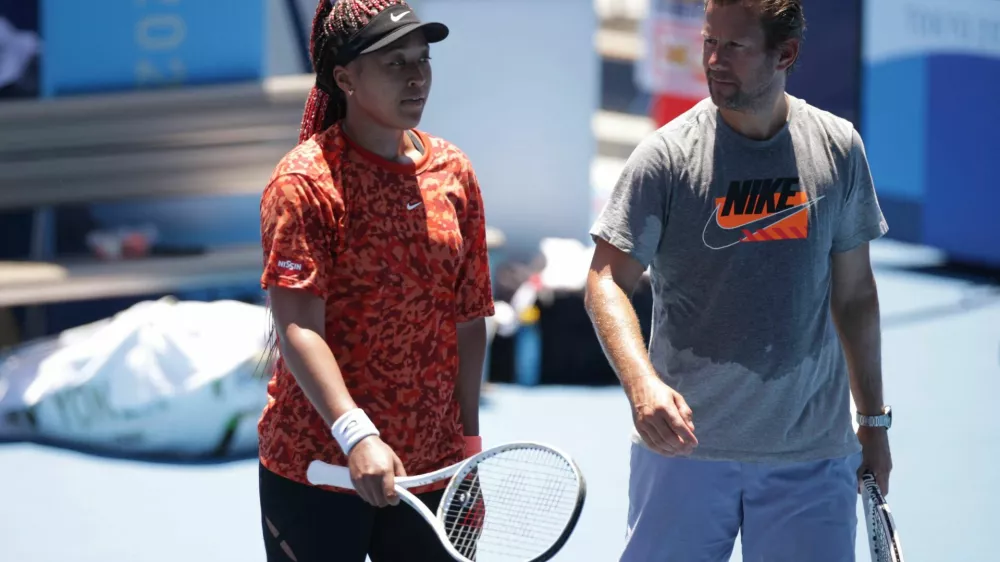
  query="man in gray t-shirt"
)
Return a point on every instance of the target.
[{"x": 753, "y": 212}]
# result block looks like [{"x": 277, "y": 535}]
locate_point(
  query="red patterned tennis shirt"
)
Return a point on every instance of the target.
[{"x": 398, "y": 252}]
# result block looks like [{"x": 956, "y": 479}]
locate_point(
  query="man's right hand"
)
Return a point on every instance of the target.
[
  {"x": 662, "y": 417},
  {"x": 374, "y": 468}
]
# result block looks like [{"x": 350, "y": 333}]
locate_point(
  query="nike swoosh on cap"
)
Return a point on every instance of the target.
[{"x": 734, "y": 235}]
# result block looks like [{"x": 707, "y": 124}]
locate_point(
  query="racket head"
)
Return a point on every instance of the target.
[
  {"x": 883, "y": 540},
  {"x": 516, "y": 502}
]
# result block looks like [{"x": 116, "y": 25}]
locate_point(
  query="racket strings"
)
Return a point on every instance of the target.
[
  {"x": 879, "y": 535},
  {"x": 883, "y": 547},
  {"x": 513, "y": 506},
  {"x": 502, "y": 520}
]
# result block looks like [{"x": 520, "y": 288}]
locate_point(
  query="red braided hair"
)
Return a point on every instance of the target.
[{"x": 334, "y": 24}]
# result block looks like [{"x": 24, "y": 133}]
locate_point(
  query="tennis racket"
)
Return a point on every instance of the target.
[
  {"x": 882, "y": 537},
  {"x": 518, "y": 502}
]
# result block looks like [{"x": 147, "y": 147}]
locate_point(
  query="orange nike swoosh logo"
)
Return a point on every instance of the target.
[{"x": 726, "y": 237}]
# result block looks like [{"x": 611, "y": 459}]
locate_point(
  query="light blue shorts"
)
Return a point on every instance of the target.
[{"x": 685, "y": 510}]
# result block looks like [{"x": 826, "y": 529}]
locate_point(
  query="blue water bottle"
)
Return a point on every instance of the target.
[{"x": 528, "y": 349}]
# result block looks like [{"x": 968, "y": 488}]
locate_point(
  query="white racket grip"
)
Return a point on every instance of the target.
[
  {"x": 322, "y": 473},
  {"x": 351, "y": 428}
]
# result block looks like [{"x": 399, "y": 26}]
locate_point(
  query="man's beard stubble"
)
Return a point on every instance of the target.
[{"x": 746, "y": 101}]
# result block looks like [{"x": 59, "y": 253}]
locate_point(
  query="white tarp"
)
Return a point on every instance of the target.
[{"x": 160, "y": 378}]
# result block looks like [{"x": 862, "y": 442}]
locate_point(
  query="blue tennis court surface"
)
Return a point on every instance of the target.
[{"x": 941, "y": 350}]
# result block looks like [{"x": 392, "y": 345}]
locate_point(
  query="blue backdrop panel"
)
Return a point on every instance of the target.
[
  {"x": 930, "y": 84},
  {"x": 962, "y": 198},
  {"x": 827, "y": 74},
  {"x": 114, "y": 45},
  {"x": 893, "y": 129}
]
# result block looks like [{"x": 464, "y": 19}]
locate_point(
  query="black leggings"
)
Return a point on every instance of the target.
[{"x": 306, "y": 524}]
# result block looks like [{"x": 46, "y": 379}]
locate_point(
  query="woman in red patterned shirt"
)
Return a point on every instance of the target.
[{"x": 376, "y": 269}]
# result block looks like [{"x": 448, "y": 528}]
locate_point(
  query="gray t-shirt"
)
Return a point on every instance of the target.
[{"x": 738, "y": 236}]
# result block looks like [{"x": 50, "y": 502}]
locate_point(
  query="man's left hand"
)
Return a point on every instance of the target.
[{"x": 875, "y": 455}]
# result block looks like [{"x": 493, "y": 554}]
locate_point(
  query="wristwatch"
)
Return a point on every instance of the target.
[{"x": 882, "y": 420}]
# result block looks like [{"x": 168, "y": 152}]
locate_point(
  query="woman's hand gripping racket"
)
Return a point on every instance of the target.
[
  {"x": 882, "y": 537},
  {"x": 518, "y": 502}
]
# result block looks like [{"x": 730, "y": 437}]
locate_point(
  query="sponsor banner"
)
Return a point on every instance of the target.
[
  {"x": 897, "y": 29},
  {"x": 671, "y": 63}
]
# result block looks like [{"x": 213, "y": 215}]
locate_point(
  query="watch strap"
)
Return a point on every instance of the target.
[{"x": 881, "y": 420}]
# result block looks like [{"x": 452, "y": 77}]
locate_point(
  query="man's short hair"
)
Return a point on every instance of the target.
[{"x": 781, "y": 19}]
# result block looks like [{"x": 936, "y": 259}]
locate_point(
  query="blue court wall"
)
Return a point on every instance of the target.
[
  {"x": 828, "y": 71},
  {"x": 930, "y": 93},
  {"x": 122, "y": 45},
  {"x": 93, "y": 47},
  {"x": 116, "y": 45}
]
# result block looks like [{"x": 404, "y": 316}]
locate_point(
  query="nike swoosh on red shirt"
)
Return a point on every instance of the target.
[{"x": 734, "y": 235}]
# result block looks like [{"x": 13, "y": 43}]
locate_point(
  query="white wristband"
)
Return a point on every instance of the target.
[{"x": 351, "y": 428}]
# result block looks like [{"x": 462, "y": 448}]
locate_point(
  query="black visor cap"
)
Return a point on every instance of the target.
[{"x": 387, "y": 27}]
